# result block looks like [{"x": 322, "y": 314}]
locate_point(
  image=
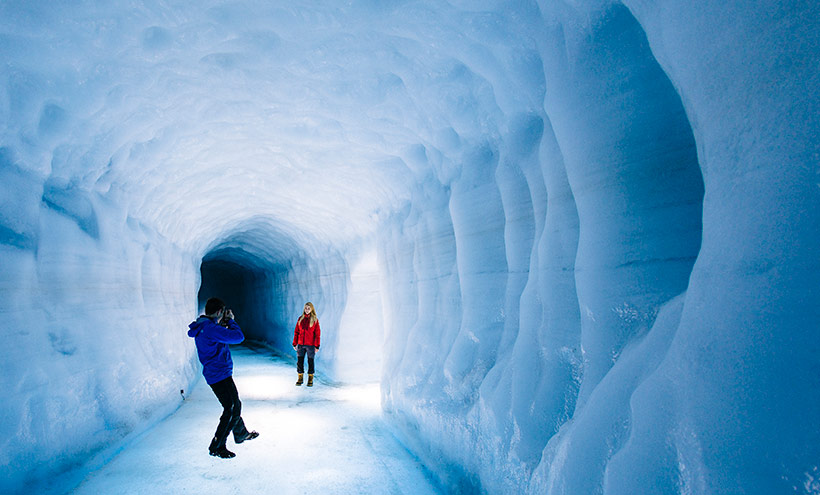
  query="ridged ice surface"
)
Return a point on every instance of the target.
[{"x": 575, "y": 241}]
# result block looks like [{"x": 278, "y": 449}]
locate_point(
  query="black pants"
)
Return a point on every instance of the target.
[
  {"x": 301, "y": 350},
  {"x": 231, "y": 419}
]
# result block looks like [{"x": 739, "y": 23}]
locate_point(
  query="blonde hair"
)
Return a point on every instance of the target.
[{"x": 313, "y": 317}]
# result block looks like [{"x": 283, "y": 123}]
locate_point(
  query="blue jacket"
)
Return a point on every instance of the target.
[{"x": 212, "y": 342}]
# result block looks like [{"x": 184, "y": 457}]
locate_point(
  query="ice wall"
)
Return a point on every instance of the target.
[
  {"x": 578, "y": 238},
  {"x": 620, "y": 285},
  {"x": 565, "y": 236},
  {"x": 92, "y": 303}
]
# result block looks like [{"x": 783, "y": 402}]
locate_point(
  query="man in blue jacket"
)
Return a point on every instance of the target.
[{"x": 212, "y": 333}]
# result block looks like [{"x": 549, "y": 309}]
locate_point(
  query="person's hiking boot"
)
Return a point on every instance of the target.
[
  {"x": 310, "y": 381},
  {"x": 299, "y": 380},
  {"x": 249, "y": 436},
  {"x": 221, "y": 452}
]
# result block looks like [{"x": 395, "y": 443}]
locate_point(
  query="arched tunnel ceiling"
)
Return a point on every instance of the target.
[
  {"x": 259, "y": 243},
  {"x": 319, "y": 115}
]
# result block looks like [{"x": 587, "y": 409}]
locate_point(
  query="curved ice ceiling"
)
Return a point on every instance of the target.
[{"x": 201, "y": 118}]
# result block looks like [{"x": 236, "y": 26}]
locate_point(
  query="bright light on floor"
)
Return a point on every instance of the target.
[
  {"x": 262, "y": 387},
  {"x": 328, "y": 438},
  {"x": 367, "y": 396}
]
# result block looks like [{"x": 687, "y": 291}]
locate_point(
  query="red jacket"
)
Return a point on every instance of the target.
[{"x": 306, "y": 334}]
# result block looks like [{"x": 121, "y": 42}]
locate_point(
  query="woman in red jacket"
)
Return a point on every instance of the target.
[{"x": 306, "y": 341}]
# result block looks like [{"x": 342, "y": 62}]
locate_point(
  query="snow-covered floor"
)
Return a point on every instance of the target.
[{"x": 327, "y": 439}]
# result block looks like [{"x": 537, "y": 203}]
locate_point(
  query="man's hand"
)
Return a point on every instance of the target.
[{"x": 229, "y": 314}]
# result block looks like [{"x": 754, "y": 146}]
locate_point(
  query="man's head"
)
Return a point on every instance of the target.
[{"x": 213, "y": 305}]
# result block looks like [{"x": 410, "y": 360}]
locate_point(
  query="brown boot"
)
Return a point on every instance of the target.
[
  {"x": 310, "y": 381},
  {"x": 299, "y": 381}
]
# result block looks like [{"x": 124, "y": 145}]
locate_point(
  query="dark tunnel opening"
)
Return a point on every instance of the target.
[
  {"x": 244, "y": 284},
  {"x": 265, "y": 276}
]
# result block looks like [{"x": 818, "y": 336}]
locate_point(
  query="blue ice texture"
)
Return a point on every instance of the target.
[{"x": 577, "y": 243}]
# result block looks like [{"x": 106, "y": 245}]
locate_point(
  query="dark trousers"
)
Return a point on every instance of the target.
[
  {"x": 231, "y": 419},
  {"x": 301, "y": 350}
]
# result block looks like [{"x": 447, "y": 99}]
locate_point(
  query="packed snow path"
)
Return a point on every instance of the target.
[{"x": 326, "y": 439}]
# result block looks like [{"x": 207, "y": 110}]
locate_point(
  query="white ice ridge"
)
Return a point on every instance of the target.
[{"x": 576, "y": 242}]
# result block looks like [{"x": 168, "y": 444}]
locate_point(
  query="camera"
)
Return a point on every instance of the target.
[{"x": 227, "y": 314}]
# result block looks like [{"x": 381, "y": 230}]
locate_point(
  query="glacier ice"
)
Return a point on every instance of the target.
[{"x": 575, "y": 242}]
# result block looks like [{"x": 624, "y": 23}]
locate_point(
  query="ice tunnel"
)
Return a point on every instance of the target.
[{"x": 579, "y": 240}]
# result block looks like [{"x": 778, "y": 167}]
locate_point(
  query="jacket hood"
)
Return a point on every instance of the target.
[{"x": 196, "y": 326}]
